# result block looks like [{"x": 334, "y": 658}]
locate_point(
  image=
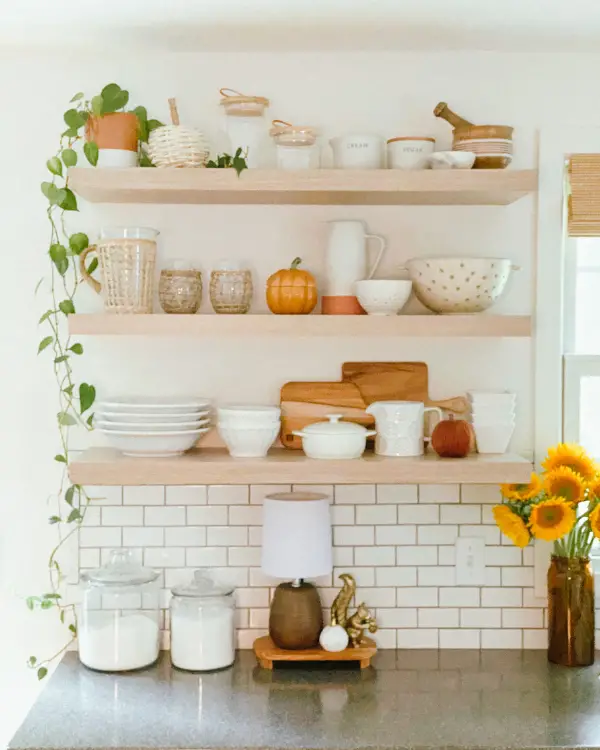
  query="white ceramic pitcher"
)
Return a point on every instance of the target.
[
  {"x": 400, "y": 427},
  {"x": 347, "y": 257}
]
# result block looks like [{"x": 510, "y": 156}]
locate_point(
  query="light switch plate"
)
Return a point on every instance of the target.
[{"x": 470, "y": 561}]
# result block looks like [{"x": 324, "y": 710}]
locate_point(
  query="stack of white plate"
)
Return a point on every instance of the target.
[
  {"x": 493, "y": 417},
  {"x": 143, "y": 426}
]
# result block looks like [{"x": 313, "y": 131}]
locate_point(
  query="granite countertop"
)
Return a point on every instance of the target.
[{"x": 411, "y": 699}]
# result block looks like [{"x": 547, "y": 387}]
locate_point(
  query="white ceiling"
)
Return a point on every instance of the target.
[{"x": 186, "y": 25}]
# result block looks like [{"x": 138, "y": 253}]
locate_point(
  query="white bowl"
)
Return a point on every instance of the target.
[
  {"x": 149, "y": 428},
  {"x": 153, "y": 444},
  {"x": 492, "y": 398},
  {"x": 248, "y": 442},
  {"x": 493, "y": 438},
  {"x": 452, "y": 159},
  {"x": 151, "y": 405},
  {"x": 383, "y": 296},
  {"x": 251, "y": 413},
  {"x": 156, "y": 418},
  {"x": 459, "y": 285}
]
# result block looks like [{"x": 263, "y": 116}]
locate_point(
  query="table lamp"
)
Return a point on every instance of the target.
[{"x": 296, "y": 545}]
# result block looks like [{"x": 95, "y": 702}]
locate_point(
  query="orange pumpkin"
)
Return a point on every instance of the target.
[
  {"x": 452, "y": 438},
  {"x": 292, "y": 291}
]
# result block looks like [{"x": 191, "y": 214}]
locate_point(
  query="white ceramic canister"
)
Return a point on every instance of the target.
[
  {"x": 202, "y": 625},
  {"x": 409, "y": 152},
  {"x": 245, "y": 125},
  {"x": 334, "y": 439},
  {"x": 400, "y": 427},
  {"x": 358, "y": 152}
]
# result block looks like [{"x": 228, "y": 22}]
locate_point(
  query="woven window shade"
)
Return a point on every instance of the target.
[{"x": 584, "y": 195}]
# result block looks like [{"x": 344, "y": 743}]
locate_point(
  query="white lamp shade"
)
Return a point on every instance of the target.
[{"x": 296, "y": 535}]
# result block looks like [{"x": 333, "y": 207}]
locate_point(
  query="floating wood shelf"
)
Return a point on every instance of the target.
[
  {"x": 381, "y": 187},
  {"x": 301, "y": 325},
  {"x": 106, "y": 466}
]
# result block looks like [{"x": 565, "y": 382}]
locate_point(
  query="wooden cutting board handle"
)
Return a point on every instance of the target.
[{"x": 459, "y": 404}]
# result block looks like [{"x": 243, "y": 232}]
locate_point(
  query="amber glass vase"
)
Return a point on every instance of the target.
[{"x": 570, "y": 612}]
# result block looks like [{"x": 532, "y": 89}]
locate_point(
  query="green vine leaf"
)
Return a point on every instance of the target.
[
  {"x": 90, "y": 420},
  {"x": 69, "y": 390},
  {"x": 67, "y": 307},
  {"x": 79, "y": 95},
  {"x": 69, "y": 495},
  {"x": 144, "y": 160},
  {"x": 32, "y": 661},
  {"x": 60, "y": 458},
  {"x": 47, "y": 604},
  {"x": 55, "y": 166},
  {"x": 69, "y": 202},
  {"x": 30, "y": 602},
  {"x": 70, "y": 133},
  {"x": 58, "y": 255},
  {"x": 45, "y": 316},
  {"x": 87, "y": 396},
  {"x": 62, "y": 358},
  {"x": 74, "y": 515},
  {"x": 78, "y": 242},
  {"x": 74, "y": 119},
  {"x": 114, "y": 98},
  {"x": 93, "y": 266},
  {"x": 45, "y": 343},
  {"x": 69, "y": 157},
  {"x": 62, "y": 616},
  {"x": 73, "y": 629},
  {"x": 153, "y": 124},
  {"x": 90, "y": 149},
  {"x": 76, "y": 349},
  {"x": 41, "y": 673},
  {"x": 65, "y": 419},
  {"x": 97, "y": 105},
  {"x": 52, "y": 595},
  {"x": 54, "y": 194}
]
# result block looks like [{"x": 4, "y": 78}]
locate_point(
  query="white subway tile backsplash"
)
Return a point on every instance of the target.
[
  {"x": 396, "y": 534},
  {"x": 537, "y": 639},
  {"x": 122, "y": 516},
  {"x": 439, "y": 493},
  {"x": 146, "y": 495},
  {"x": 502, "y": 556},
  {"x": 416, "y": 596},
  {"x": 395, "y": 617},
  {"x": 460, "y": 514},
  {"x": 416, "y": 555},
  {"x": 229, "y": 494},
  {"x": 244, "y": 556},
  {"x": 143, "y": 536},
  {"x": 255, "y": 536},
  {"x": 92, "y": 516},
  {"x": 480, "y": 494},
  {"x": 342, "y": 515},
  {"x": 384, "y": 638},
  {"x": 447, "y": 554},
  {"x": 258, "y": 492},
  {"x": 480, "y": 617},
  {"x": 461, "y": 596},
  {"x": 164, "y": 557},
  {"x": 396, "y": 576},
  {"x": 437, "y": 534},
  {"x": 322, "y": 489},
  {"x": 166, "y": 516},
  {"x": 343, "y": 556},
  {"x": 440, "y": 575},
  {"x": 487, "y": 515},
  {"x": 440, "y": 617},
  {"x": 186, "y": 536},
  {"x": 397, "y": 493},
  {"x": 460, "y": 639},
  {"x": 246, "y": 638},
  {"x": 252, "y": 597},
  {"x": 517, "y": 577},
  {"x": 502, "y": 639},
  {"x": 354, "y": 494},
  {"x": 228, "y": 536},
  {"x": 258, "y": 578},
  {"x": 354, "y": 535},
  {"x": 378, "y": 597},
  {"x": 186, "y": 495},
  {"x": 492, "y": 576},
  {"x": 375, "y": 514},
  {"x": 522, "y": 618},
  {"x": 240, "y": 515},
  {"x": 101, "y": 496},
  {"x": 202, "y": 557},
  {"x": 501, "y": 597},
  {"x": 491, "y": 534},
  {"x": 418, "y": 514},
  {"x": 375, "y": 556},
  {"x": 208, "y": 515},
  {"x": 89, "y": 558},
  {"x": 259, "y": 618},
  {"x": 528, "y": 555},
  {"x": 530, "y": 599},
  {"x": 364, "y": 576},
  {"x": 100, "y": 536},
  {"x": 421, "y": 638}
]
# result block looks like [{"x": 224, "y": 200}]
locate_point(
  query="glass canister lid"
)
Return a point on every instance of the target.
[
  {"x": 286, "y": 134},
  {"x": 334, "y": 427},
  {"x": 202, "y": 586},
  {"x": 243, "y": 105},
  {"x": 120, "y": 570}
]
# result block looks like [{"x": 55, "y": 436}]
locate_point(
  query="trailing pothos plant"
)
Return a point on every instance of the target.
[{"x": 75, "y": 399}]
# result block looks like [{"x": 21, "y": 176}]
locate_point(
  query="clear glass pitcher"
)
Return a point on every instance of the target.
[{"x": 127, "y": 259}]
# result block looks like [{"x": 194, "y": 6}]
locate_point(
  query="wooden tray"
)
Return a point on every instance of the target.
[{"x": 267, "y": 653}]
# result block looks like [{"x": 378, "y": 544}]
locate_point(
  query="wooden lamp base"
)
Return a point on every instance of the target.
[{"x": 267, "y": 653}]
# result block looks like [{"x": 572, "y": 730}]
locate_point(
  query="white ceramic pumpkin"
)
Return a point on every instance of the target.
[{"x": 333, "y": 638}]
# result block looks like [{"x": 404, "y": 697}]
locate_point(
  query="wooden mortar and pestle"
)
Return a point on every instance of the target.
[{"x": 492, "y": 144}]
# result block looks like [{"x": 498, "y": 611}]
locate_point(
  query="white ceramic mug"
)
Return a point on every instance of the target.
[
  {"x": 409, "y": 153},
  {"x": 357, "y": 152},
  {"x": 400, "y": 427}
]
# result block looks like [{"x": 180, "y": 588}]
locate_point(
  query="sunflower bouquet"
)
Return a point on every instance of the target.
[{"x": 561, "y": 505}]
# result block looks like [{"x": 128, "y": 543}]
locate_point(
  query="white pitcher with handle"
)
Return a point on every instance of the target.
[
  {"x": 346, "y": 263},
  {"x": 400, "y": 427}
]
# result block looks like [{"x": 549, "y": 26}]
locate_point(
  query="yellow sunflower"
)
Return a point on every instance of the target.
[
  {"x": 511, "y": 525},
  {"x": 574, "y": 457},
  {"x": 595, "y": 521},
  {"x": 552, "y": 519},
  {"x": 564, "y": 482},
  {"x": 522, "y": 491},
  {"x": 594, "y": 488}
]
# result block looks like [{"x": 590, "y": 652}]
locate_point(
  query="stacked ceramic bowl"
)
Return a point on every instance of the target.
[
  {"x": 142, "y": 426},
  {"x": 248, "y": 431},
  {"x": 493, "y": 417}
]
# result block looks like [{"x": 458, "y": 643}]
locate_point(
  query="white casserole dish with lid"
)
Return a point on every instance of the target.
[{"x": 334, "y": 439}]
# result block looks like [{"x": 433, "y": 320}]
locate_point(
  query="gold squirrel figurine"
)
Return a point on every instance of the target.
[{"x": 361, "y": 619}]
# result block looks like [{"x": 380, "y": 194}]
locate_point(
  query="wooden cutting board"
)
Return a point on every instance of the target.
[{"x": 303, "y": 403}]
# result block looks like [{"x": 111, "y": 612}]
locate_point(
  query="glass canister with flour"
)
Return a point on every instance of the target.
[
  {"x": 118, "y": 624},
  {"x": 202, "y": 624}
]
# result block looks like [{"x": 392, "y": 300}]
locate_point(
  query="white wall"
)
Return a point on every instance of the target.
[{"x": 389, "y": 93}]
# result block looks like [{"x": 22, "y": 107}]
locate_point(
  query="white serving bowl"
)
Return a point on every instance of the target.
[
  {"x": 383, "y": 296},
  {"x": 147, "y": 427},
  {"x": 248, "y": 442},
  {"x": 154, "y": 444},
  {"x": 156, "y": 418},
  {"x": 452, "y": 159},
  {"x": 459, "y": 285},
  {"x": 493, "y": 438},
  {"x": 151, "y": 405},
  {"x": 492, "y": 398}
]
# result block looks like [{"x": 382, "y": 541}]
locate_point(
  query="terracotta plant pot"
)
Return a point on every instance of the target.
[
  {"x": 570, "y": 612},
  {"x": 118, "y": 130}
]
